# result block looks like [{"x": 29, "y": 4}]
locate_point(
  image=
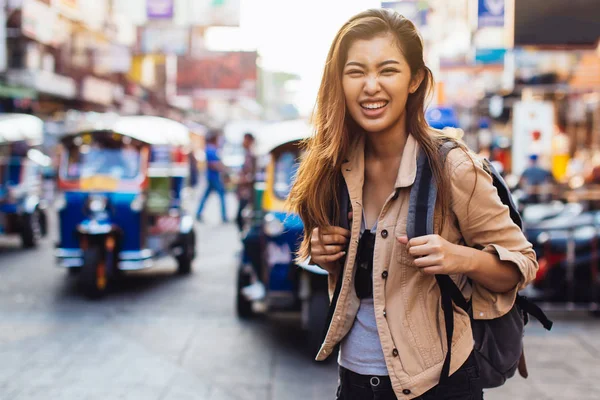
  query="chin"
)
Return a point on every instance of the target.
[{"x": 374, "y": 126}]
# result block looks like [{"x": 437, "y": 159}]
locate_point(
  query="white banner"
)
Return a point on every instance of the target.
[{"x": 533, "y": 129}]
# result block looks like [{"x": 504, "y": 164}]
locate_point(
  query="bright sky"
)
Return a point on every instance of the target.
[{"x": 290, "y": 36}]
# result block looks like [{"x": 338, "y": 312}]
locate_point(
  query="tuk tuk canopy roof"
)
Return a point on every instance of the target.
[
  {"x": 149, "y": 129},
  {"x": 278, "y": 133},
  {"x": 21, "y": 127}
]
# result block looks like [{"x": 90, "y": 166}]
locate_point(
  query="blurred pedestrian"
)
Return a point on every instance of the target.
[
  {"x": 536, "y": 182},
  {"x": 214, "y": 174},
  {"x": 369, "y": 130},
  {"x": 245, "y": 188}
]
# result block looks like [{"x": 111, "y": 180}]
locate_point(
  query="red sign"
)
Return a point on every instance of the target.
[{"x": 217, "y": 74}]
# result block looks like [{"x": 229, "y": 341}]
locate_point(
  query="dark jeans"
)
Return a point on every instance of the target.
[
  {"x": 462, "y": 385},
  {"x": 239, "y": 220}
]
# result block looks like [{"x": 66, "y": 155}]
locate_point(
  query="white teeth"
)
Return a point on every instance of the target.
[{"x": 374, "y": 106}]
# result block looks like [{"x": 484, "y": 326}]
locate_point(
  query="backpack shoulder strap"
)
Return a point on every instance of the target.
[
  {"x": 423, "y": 195},
  {"x": 421, "y": 209}
]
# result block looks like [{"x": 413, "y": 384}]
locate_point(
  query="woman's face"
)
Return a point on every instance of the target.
[{"x": 376, "y": 82}]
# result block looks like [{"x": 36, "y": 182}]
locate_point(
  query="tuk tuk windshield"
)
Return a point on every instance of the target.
[
  {"x": 97, "y": 159},
  {"x": 286, "y": 165}
]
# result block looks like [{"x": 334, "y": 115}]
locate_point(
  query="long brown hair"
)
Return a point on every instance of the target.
[{"x": 313, "y": 195}]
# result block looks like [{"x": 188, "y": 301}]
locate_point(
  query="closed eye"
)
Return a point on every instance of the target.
[
  {"x": 389, "y": 71},
  {"x": 354, "y": 72}
]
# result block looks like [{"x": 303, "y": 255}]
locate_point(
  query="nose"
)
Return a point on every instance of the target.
[{"x": 371, "y": 85}]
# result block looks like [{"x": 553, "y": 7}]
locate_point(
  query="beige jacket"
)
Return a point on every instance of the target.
[{"x": 408, "y": 310}]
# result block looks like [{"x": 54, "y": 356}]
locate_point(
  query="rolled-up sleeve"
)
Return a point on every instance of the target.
[{"x": 484, "y": 223}]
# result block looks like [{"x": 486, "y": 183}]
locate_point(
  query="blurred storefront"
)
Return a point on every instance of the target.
[{"x": 518, "y": 85}]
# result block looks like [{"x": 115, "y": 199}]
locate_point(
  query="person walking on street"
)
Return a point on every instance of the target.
[
  {"x": 245, "y": 187},
  {"x": 535, "y": 182},
  {"x": 214, "y": 174},
  {"x": 370, "y": 129}
]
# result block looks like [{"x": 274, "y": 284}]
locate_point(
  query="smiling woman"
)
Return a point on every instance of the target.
[{"x": 354, "y": 195}]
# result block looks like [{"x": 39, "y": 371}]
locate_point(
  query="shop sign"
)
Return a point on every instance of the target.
[
  {"x": 38, "y": 21},
  {"x": 44, "y": 82},
  {"x": 159, "y": 9},
  {"x": 164, "y": 40},
  {"x": 533, "y": 129},
  {"x": 489, "y": 56},
  {"x": 225, "y": 75},
  {"x": 57, "y": 85},
  {"x": 17, "y": 92},
  {"x": 97, "y": 90},
  {"x": 490, "y": 13},
  {"x": 109, "y": 58}
]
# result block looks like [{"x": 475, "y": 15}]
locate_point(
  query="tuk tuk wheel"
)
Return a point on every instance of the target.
[
  {"x": 318, "y": 307},
  {"x": 31, "y": 231},
  {"x": 243, "y": 306},
  {"x": 184, "y": 261},
  {"x": 93, "y": 278}
]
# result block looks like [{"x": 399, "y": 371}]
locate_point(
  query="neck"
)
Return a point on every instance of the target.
[{"x": 387, "y": 144}]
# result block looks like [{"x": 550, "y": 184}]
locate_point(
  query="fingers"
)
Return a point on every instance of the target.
[
  {"x": 423, "y": 250},
  {"x": 327, "y": 250},
  {"x": 335, "y": 230},
  {"x": 402, "y": 240},
  {"x": 429, "y": 261},
  {"x": 328, "y": 258}
]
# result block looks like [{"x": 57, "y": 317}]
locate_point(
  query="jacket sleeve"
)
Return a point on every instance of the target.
[{"x": 485, "y": 223}]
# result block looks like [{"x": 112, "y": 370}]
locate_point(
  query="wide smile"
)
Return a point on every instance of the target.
[{"x": 373, "y": 109}]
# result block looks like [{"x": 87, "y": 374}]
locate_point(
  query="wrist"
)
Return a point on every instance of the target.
[{"x": 467, "y": 260}]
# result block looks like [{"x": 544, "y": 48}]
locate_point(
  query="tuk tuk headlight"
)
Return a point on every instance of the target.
[
  {"x": 60, "y": 202},
  {"x": 137, "y": 204},
  {"x": 97, "y": 203},
  {"x": 272, "y": 225}
]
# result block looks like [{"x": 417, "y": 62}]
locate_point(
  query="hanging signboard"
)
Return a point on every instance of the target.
[
  {"x": 490, "y": 13},
  {"x": 533, "y": 128},
  {"x": 159, "y": 9},
  {"x": 218, "y": 74},
  {"x": 164, "y": 40}
]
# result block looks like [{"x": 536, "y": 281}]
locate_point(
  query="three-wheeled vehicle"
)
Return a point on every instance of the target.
[
  {"x": 22, "y": 211},
  {"x": 120, "y": 203},
  {"x": 268, "y": 277}
]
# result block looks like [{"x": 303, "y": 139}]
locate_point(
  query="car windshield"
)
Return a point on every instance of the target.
[{"x": 119, "y": 163}]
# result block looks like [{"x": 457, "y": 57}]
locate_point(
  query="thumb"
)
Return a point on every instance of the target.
[{"x": 402, "y": 239}]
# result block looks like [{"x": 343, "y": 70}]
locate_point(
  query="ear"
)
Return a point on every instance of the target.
[{"x": 415, "y": 81}]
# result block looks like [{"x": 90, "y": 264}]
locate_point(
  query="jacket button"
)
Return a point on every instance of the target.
[
  {"x": 384, "y": 233},
  {"x": 406, "y": 391},
  {"x": 395, "y": 352},
  {"x": 384, "y": 274}
]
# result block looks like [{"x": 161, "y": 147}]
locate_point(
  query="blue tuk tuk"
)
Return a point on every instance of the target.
[
  {"x": 268, "y": 278},
  {"x": 120, "y": 204},
  {"x": 22, "y": 210}
]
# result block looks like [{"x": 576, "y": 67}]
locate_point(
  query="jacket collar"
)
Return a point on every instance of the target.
[{"x": 354, "y": 169}]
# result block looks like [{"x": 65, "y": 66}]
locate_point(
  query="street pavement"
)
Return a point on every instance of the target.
[{"x": 160, "y": 336}]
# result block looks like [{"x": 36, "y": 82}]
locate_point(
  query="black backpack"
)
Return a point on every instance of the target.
[{"x": 498, "y": 342}]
